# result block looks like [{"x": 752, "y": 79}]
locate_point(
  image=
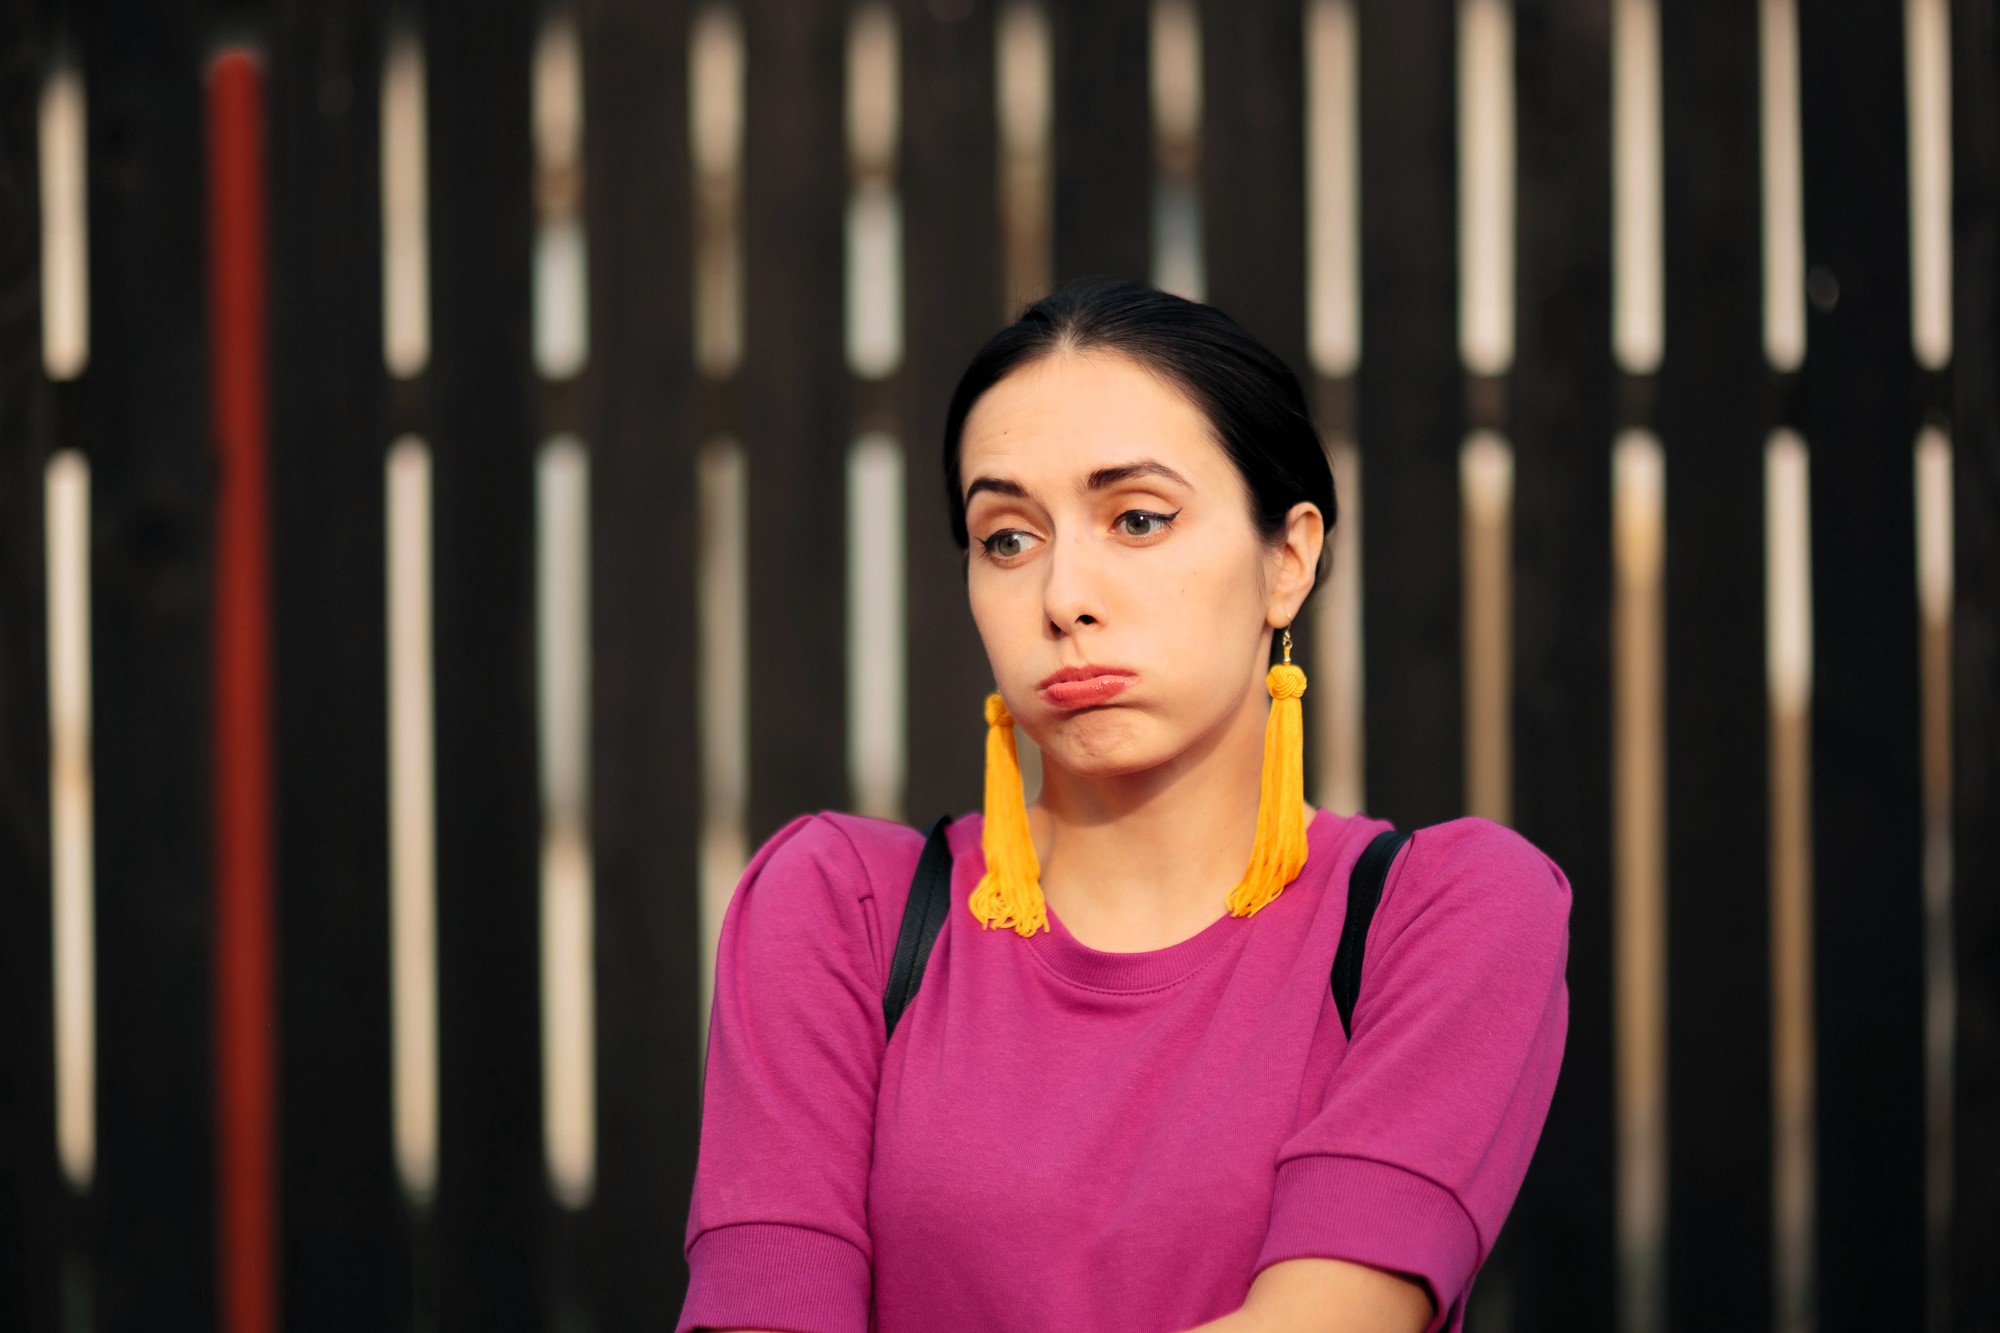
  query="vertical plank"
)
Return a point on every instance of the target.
[
  {"x": 1713, "y": 419},
  {"x": 1554, "y": 1264},
  {"x": 1859, "y": 395},
  {"x": 1253, "y": 197},
  {"x": 1410, "y": 414},
  {"x": 645, "y": 789},
  {"x": 1103, "y": 140},
  {"x": 241, "y": 817},
  {"x": 151, "y": 470},
  {"x": 795, "y": 408},
  {"x": 493, "y": 1212},
  {"x": 1253, "y": 202},
  {"x": 31, "y": 1191},
  {"x": 345, "y": 1247},
  {"x": 1975, "y": 855},
  {"x": 952, "y": 286}
]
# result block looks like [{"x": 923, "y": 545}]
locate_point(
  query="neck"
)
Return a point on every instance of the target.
[{"x": 1143, "y": 860}]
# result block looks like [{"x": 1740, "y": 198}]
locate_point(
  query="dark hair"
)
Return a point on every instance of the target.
[{"x": 1250, "y": 397}]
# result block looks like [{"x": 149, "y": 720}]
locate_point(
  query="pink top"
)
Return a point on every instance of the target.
[{"x": 1060, "y": 1137}]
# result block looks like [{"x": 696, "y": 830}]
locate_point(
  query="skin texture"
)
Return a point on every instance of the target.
[{"x": 1148, "y": 807}]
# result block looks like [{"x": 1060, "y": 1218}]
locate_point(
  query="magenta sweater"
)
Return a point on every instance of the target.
[{"x": 1062, "y": 1138}]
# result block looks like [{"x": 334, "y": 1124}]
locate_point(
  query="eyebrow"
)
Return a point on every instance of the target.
[
  {"x": 1102, "y": 479},
  {"x": 1106, "y": 477},
  {"x": 997, "y": 485}
]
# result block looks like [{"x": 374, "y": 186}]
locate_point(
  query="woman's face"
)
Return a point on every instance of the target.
[{"x": 1110, "y": 530}]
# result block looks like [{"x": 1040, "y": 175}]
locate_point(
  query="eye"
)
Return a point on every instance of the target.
[
  {"x": 1006, "y": 543},
  {"x": 1155, "y": 523}
]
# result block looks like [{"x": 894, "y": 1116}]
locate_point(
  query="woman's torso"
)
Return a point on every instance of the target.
[{"x": 1066, "y": 1137}]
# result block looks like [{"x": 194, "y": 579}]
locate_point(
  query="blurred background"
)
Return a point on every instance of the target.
[{"x": 469, "y": 473}]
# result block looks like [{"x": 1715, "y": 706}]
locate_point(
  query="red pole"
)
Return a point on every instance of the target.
[{"x": 244, "y": 1012}]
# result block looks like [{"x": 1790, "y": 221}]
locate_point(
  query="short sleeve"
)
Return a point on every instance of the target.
[
  {"x": 777, "y": 1234},
  {"x": 1428, "y": 1122}
]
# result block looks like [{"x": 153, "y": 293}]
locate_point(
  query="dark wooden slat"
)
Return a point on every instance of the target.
[
  {"x": 645, "y": 797},
  {"x": 1410, "y": 415},
  {"x": 31, "y": 1190},
  {"x": 1554, "y": 1263},
  {"x": 493, "y": 1211},
  {"x": 1973, "y": 1279},
  {"x": 1103, "y": 140},
  {"x": 1712, "y": 424},
  {"x": 1253, "y": 202},
  {"x": 1859, "y": 396},
  {"x": 952, "y": 285},
  {"x": 345, "y": 1247},
  {"x": 1253, "y": 205},
  {"x": 151, "y": 476},
  {"x": 795, "y": 408}
]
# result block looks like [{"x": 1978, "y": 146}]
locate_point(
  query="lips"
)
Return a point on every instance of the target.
[{"x": 1084, "y": 686}]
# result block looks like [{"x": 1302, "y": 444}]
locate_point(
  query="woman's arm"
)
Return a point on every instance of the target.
[
  {"x": 778, "y": 1220},
  {"x": 1328, "y": 1296},
  {"x": 1319, "y": 1296},
  {"x": 1428, "y": 1121}
]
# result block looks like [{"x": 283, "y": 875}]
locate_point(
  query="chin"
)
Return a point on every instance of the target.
[{"x": 1100, "y": 743}]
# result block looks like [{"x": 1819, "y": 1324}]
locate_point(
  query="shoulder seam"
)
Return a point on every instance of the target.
[
  {"x": 842, "y": 821},
  {"x": 867, "y": 875},
  {"x": 884, "y": 930}
]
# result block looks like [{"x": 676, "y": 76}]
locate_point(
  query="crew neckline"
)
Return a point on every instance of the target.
[{"x": 1149, "y": 969}]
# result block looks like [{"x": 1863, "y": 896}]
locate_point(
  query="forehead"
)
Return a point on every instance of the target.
[{"x": 1075, "y": 412}]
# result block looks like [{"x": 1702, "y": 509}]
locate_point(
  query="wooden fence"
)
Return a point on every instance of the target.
[{"x": 290, "y": 403}]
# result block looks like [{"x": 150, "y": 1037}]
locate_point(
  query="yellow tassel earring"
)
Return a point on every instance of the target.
[
  {"x": 1280, "y": 850},
  {"x": 1010, "y": 892}
]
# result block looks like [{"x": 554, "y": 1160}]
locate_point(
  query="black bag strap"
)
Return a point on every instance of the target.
[
  {"x": 930, "y": 900},
  {"x": 1364, "y": 891},
  {"x": 923, "y": 915}
]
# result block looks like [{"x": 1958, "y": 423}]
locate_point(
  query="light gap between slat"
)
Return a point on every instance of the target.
[
  {"x": 561, "y": 286},
  {"x": 72, "y": 813},
  {"x": 1176, "y": 92},
  {"x": 1927, "y": 79},
  {"x": 1486, "y": 487},
  {"x": 1783, "y": 188},
  {"x": 1788, "y": 659},
  {"x": 1486, "y": 185},
  {"x": 876, "y": 651},
  {"x": 1024, "y": 90},
  {"x": 406, "y": 312},
  {"x": 61, "y": 122},
  {"x": 1333, "y": 164},
  {"x": 1933, "y": 466},
  {"x": 715, "y": 130},
  {"x": 412, "y": 817},
  {"x": 1638, "y": 490},
  {"x": 1637, "y": 273},
  {"x": 562, "y": 640},
  {"x": 874, "y": 278}
]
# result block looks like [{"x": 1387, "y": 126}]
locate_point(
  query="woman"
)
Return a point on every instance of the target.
[{"x": 1122, "y": 1098}]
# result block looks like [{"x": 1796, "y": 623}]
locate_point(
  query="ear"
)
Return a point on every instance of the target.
[{"x": 1295, "y": 562}]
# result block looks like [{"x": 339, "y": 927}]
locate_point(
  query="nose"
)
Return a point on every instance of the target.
[{"x": 1072, "y": 596}]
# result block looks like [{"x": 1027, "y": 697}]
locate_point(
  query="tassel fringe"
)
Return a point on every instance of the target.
[
  {"x": 1280, "y": 850},
  {"x": 1010, "y": 892}
]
